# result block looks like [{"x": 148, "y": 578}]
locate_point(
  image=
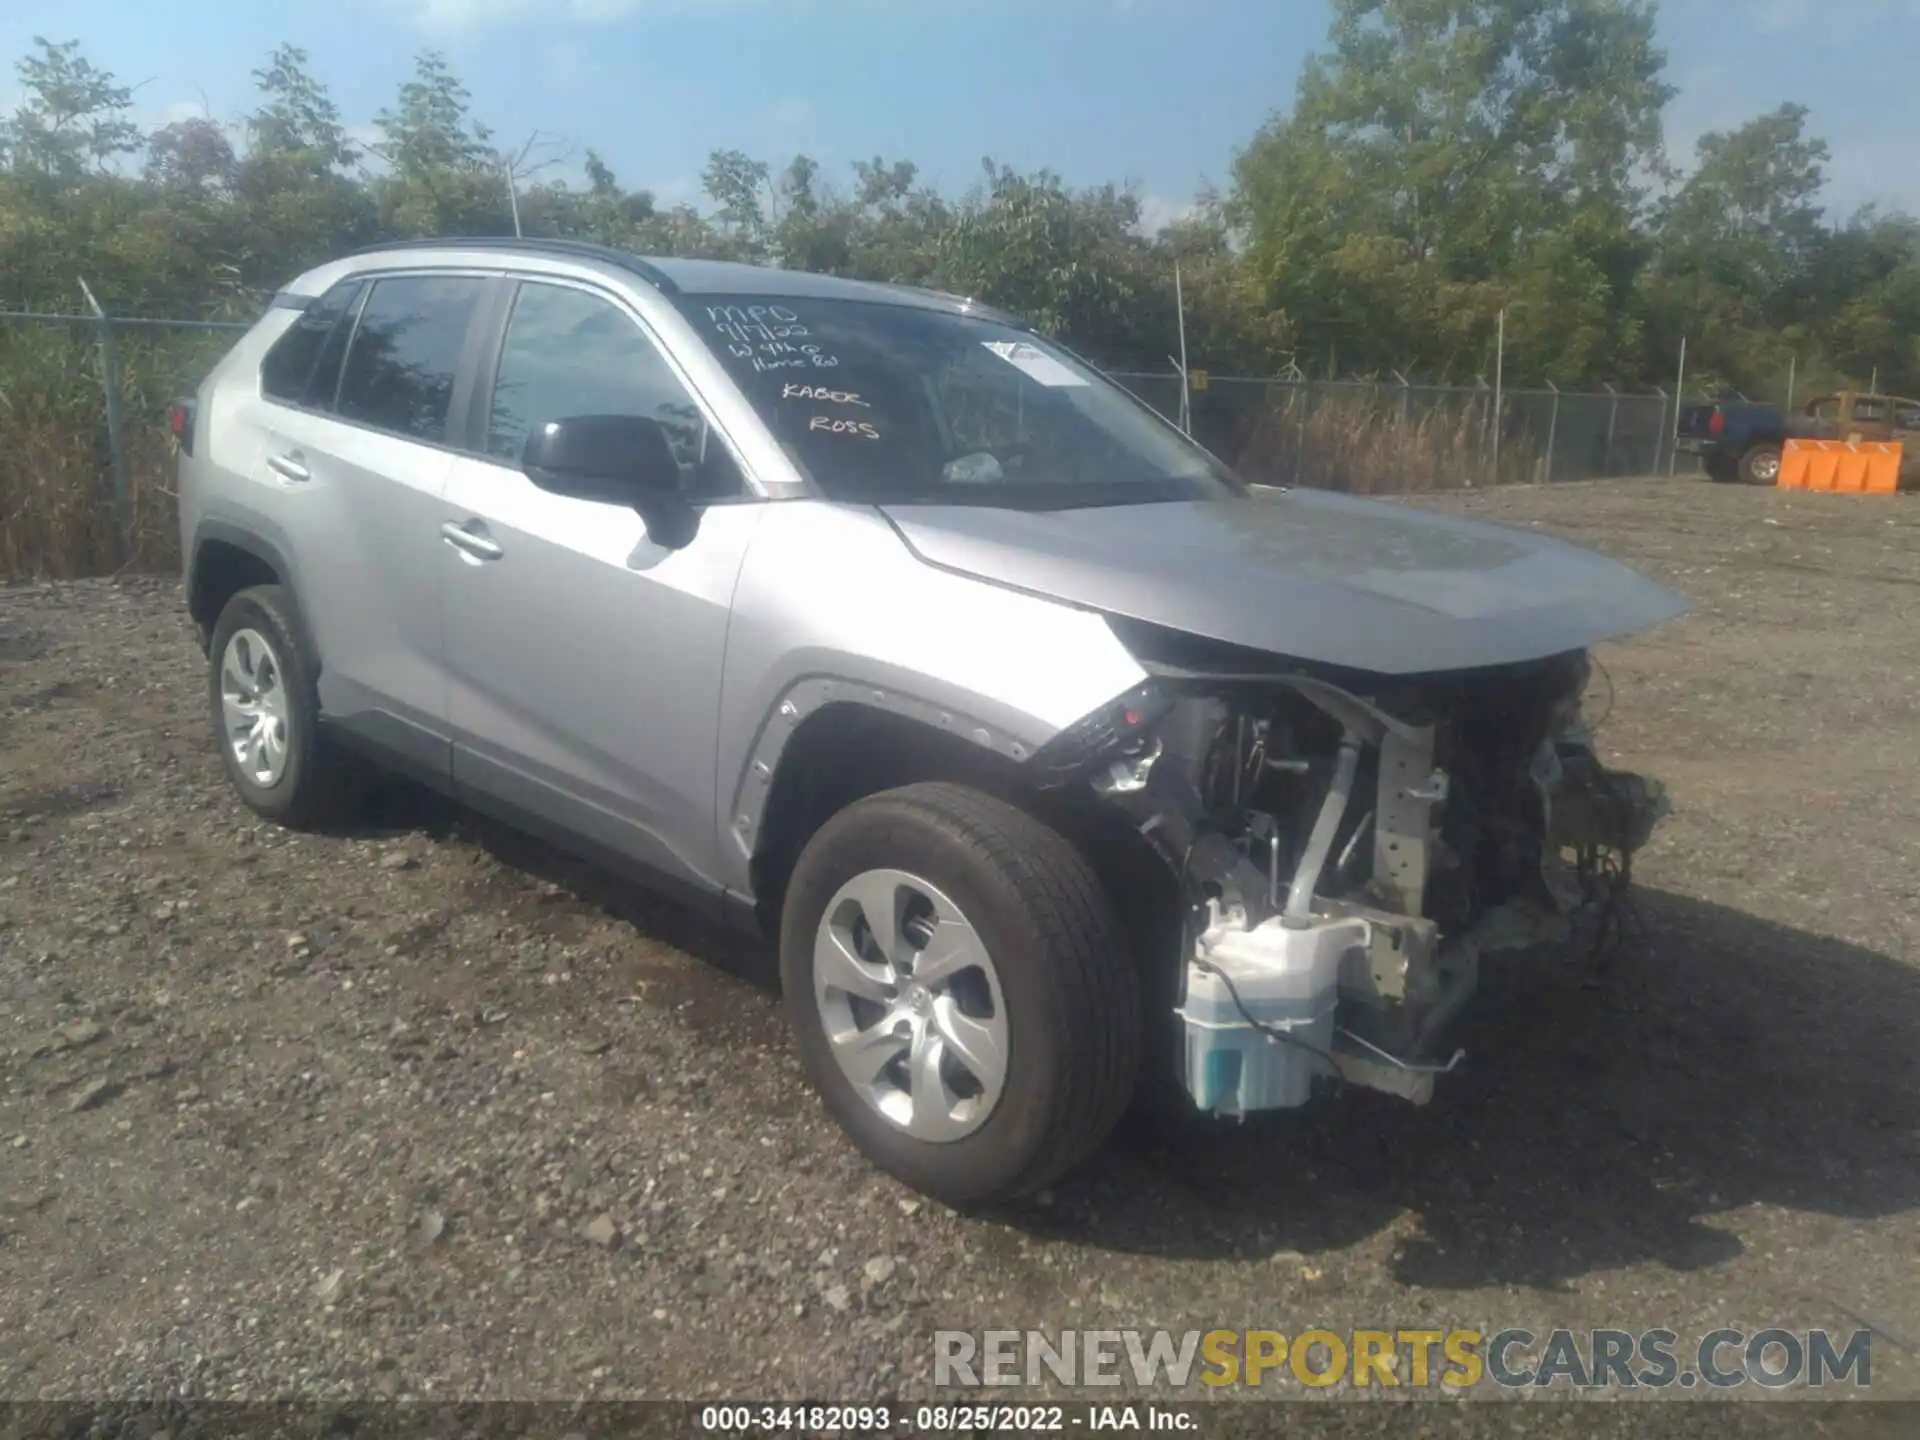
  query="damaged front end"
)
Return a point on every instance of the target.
[{"x": 1346, "y": 847}]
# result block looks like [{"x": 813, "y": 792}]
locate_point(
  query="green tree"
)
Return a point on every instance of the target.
[
  {"x": 1073, "y": 262},
  {"x": 1734, "y": 247},
  {"x": 297, "y": 123},
  {"x": 190, "y": 156},
  {"x": 444, "y": 175},
  {"x": 299, "y": 195},
  {"x": 899, "y": 222},
  {"x": 1448, "y": 158},
  {"x": 74, "y": 119},
  {"x": 743, "y": 195},
  {"x": 1858, "y": 310}
]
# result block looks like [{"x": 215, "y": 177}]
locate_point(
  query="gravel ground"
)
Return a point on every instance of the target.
[{"x": 426, "y": 1111}]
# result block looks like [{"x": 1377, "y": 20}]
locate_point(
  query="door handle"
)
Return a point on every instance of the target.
[
  {"x": 289, "y": 467},
  {"x": 465, "y": 541}
]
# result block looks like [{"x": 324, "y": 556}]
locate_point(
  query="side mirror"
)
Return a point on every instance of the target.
[{"x": 613, "y": 459}]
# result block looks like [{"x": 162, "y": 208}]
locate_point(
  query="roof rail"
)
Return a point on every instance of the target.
[{"x": 539, "y": 244}]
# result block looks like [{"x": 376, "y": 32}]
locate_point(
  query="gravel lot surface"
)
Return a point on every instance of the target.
[{"x": 427, "y": 1111}]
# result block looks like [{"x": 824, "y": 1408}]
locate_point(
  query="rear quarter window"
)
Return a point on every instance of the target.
[{"x": 289, "y": 370}]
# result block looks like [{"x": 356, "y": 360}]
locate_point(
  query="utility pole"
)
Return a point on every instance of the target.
[
  {"x": 513, "y": 192},
  {"x": 515, "y": 163},
  {"x": 1186, "y": 390}
]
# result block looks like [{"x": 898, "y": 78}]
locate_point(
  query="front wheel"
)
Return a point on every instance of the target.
[{"x": 961, "y": 991}]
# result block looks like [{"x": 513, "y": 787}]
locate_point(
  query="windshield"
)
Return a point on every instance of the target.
[{"x": 881, "y": 402}]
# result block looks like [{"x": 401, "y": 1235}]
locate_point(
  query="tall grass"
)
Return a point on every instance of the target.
[
  {"x": 60, "y": 515},
  {"x": 1368, "y": 443}
]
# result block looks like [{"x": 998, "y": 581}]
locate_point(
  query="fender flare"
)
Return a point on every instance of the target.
[
  {"x": 240, "y": 537},
  {"x": 810, "y": 694},
  {"x": 248, "y": 539}
]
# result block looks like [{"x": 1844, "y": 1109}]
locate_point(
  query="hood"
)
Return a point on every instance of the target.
[{"x": 1306, "y": 574}]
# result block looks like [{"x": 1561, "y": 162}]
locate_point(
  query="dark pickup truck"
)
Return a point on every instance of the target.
[{"x": 1738, "y": 441}]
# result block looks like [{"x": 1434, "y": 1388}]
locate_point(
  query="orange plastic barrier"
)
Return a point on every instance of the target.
[{"x": 1853, "y": 467}]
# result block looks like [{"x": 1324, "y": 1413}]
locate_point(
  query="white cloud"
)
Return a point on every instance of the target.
[{"x": 1157, "y": 212}]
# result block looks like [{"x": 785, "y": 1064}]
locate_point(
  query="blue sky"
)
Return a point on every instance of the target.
[{"x": 1158, "y": 93}]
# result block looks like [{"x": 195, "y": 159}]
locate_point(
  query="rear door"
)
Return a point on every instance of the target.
[
  {"x": 584, "y": 660},
  {"x": 367, "y": 452}
]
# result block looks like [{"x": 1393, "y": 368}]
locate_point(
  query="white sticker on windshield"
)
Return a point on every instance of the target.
[{"x": 1038, "y": 366}]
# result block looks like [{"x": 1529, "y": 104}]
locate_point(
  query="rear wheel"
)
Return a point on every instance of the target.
[
  {"x": 1761, "y": 465},
  {"x": 961, "y": 992},
  {"x": 266, "y": 712}
]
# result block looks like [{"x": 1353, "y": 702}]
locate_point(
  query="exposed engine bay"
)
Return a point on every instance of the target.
[{"x": 1348, "y": 846}]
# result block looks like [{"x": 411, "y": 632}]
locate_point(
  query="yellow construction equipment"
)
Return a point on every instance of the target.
[{"x": 1852, "y": 467}]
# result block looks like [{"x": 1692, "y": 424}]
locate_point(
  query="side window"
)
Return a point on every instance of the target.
[
  {"x": 567, "y": 352},
  {"x": 1869, "y": 412},
  {"x": 324, "y": 388},
  {"x": 1906, "y": 415},
  {"x": 1827, "y": 409},
  {"x": 289, "y": 366},
  {"x": 405, "y": 354}
]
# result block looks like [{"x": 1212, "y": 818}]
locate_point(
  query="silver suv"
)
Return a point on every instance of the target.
[{"x": 1065, "y": 767}]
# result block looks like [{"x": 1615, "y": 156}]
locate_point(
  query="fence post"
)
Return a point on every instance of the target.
[
  {"x": 1553, "y": 429},
  {"x": 110, "y": 387},
  {"x": 1499, "y": 398},
  {"x": 1485, "y": 407},
  {"x": 1660, "y": 436},
  {"x": 1305, "y": 393},
  {"x": 1613, "y": 419},
  {"x": 1679, "y": 398}
]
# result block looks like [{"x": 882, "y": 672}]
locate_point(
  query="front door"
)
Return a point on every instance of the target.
[{"x": 583, "y": 659}]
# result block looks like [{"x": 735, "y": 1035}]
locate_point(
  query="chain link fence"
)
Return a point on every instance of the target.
[
  {"x": 86, "y": 483},
  {"x": 1378, "y": 437},
  {"x": 86, "y": 473}
]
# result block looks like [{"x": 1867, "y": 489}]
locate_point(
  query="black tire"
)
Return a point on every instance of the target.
[
  {"x": 318, "y": 784},
  {"x": 1760, "y": 466},
  {"x": 1070, "y": 986}
]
